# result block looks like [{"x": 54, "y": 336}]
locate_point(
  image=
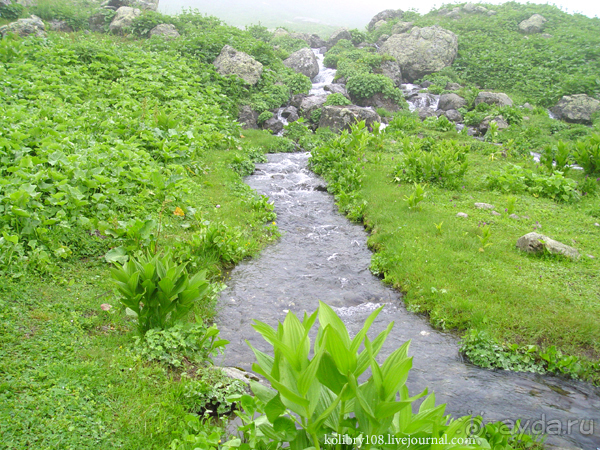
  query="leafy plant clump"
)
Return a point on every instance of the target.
[
  {"x": 317, "y": 391},
  {"x": 337, "y": 100},
  {"x": 516, "y": 179},
  {"x": 157, "y": 291},
  {"x": 446, "y": 164}
]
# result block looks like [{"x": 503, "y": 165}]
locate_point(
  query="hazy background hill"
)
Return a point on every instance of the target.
[
  {"x": 323, "y": 16},
  {"x": 304, "y": 15}
]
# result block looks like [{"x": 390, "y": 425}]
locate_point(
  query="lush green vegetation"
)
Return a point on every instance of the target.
[
  {"x": 122, "y": 203},
  {"x": 104, "y": 158},
  {"x": 466, "y": 273}
]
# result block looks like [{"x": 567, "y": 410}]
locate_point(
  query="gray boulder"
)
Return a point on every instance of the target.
[
  {"x": 296, "y": 100},
  {"x": 311, "y": 103},
  {"x": 422, "y": 51},
  {"x": 149, "y": 5},
  {"x": 33, "y": 26},
  {"x": 470, "y": 8},
  {"x": 233, "y": 62},
  {"x": 425, "y": 112},
  {"x": 379, "y": 24},
  {"x": 5, "y": 2},
  {"x": 402, "y": 27},
  {"x": 498, "y": 120},
  {"x": 338, "y": 35},
  {"x": 123, "y": 19},
  {"x": 576, "y": 108},
  {"x": 392, "y": 70},
  {"x": 338, "y": 118},
  {"x": 493, "y": 98},
  {"x": 96, "y": 23},
  {"x": 280, "y": 32},
  {"x": 61, "y": 26},
  {"x": 247, "y": 117},
  {"x": 378, "y": 101},
  {"x": 165, "y": 30},
  {"x": 453, "y": 116},
  {"x": 535, "y": 24},
  {"x": 336, "y": 89},
  {"x": 273, "y": 124},
  {"x": 315, "y": 41},
  {"x": 453, "y": 86},
  {"x": 539, "y": 244},
  {"x": 451, "y": 101},
  {"x": 303, "y": 61},
  {"x": 290, "y": 114},
  {"x": 384, "y": 16}
]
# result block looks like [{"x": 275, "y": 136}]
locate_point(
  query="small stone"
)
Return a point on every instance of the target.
[
  {"x": 538, "y": 243},
  {"x": 425, "y": 333},
  {"x": 461, "y": 214},
  {"x": 495, "y": 213},
  {"x": 597, "y": 224},
  {"x": 514, "y": 216},
  {"x": 484, "y": 206},
  {"x": 591, "y": 256},
  {"x": 105, "y": 307}
]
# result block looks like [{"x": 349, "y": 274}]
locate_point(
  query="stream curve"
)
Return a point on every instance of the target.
[{"x": 323, "y": 256}]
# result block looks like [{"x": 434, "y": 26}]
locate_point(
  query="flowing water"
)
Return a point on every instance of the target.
[{"x": 323, "y": 256}]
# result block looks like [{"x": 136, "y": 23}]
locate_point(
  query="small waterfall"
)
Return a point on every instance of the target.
[{"x": 324, "y": 77}]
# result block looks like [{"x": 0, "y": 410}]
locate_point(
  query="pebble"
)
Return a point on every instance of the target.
[
  {"x": 484, "y": 206},
  {"x": 461, "y": 214},
  {"x": 495, "y": 213},
  {"x": 514, "y": 216},
  {"x": 597, "y": 224}
]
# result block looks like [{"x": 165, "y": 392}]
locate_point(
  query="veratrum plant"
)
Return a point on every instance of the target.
[
  {"x": 158, "y": 290},
  {"x": 317, "y": 392}
]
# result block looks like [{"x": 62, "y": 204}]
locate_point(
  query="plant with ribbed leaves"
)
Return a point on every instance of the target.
[
  {"x": 319, "y": 396},
  {"x": 157, "y": 290}
]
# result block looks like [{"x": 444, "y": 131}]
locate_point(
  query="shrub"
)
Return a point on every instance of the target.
[
  {"x": 316, "y": 391},
  {"x": 363, "y": 86},
  {"x": 315, "y": 116},
  {"x": 11, "y": 11},
  {"x": 157, "y": 290},
  {"x": 264, "y": 116},
  {"x": 337, "y": 100},
  {"x": 587, "y": 154},
  {"x": 180, "y": 344},
  {"x": 445, "y": 164},
  {"x": 142, "y": 24},
  {"x": 516, "y": 179}
]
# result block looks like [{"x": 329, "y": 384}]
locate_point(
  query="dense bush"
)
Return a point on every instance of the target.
[
  {"x": 337, "y": 100},
  {"x": 516, "y": 179},
  {"x": 445, "y": 164},
  {"x": 11, "y": 12}
]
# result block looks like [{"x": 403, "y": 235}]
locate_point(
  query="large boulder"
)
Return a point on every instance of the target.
[
  {"x": 493, "y": 98},
  {"x": 451, "y": 101},
  {"x": 315, "y": 41},
  {"x": 97, "y": 22},
  {"x": 402, "y": 27},
  {"x": 535, "y": 24},
  {"x": 311, "y": 103},
  {"x": 540, "y": 244},
  {"x": 470, "y": 8},
  {"x": 280, "y": 32},
  {"x": 422, "y": 51},
  {"x": 338, "y": 118},
  {"x": 392, "y": 70},
  {"x": 247, "y": 117},
  {"x": 33, "y": 26},
  {"x": 576, "y": 108},
  {"x": 233, "y": 62},
  {"x": 165, "y": 30},
  {"x": 484, "y": 125},
  {"x": 338, "y": 35},
  {"x": 273, "y": 124},
  {"x": 123, "y": 19},
  {"x": 384, "y": 16},
  {"x": 150, "y": 5},
  {"x": 336, "y": 89},
  {"x": 453, "y": 115},
  {"x": 379, "y": 101},
  {"x": 303, "y": 61},
  {"x": 290, "y": 113}
]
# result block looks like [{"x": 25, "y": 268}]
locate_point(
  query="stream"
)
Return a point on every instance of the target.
[{"x": 323, "y": 256}]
